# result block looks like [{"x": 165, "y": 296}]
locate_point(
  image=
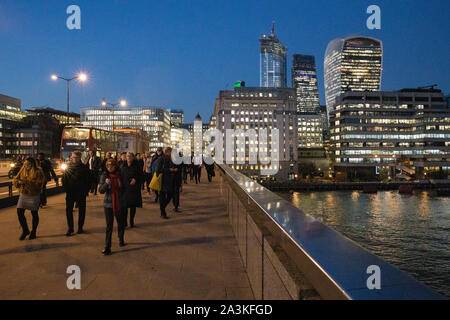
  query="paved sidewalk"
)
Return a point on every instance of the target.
[{"x": 193, "y": 255}]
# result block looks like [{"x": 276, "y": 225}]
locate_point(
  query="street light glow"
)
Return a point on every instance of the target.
[
  {"x": 82, "y": 77},
  {"x": 54, "y": 77},
  {"x": 123, "y": 103}
]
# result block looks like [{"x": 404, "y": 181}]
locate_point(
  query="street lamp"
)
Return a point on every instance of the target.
[
  {"x": 122, "y": 103},
  {"x": 81, "y": 77}
]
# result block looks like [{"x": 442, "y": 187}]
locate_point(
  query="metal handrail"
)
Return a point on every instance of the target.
[
  {"x": 337, "y": 266},
  {"x": 9, "y": 184}
]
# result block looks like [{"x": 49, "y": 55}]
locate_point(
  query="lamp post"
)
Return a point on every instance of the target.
[
  {"x": 122, "y": 102},
  {"x": 81, "y": 77}
]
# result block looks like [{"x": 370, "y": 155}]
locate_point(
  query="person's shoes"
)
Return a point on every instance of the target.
[
  {"x": 176, "y": 210},
  {"x": 156, "y": 200},
  {"x": 24, "y": 235},
  {"x": 106, "y": 252},
  {"x": 122, "y": 243},
  {"x": 131, "y": 224},
  {"x": 32, "y": 235},
  {"x": 80, "y": 231},
  {"x": 69, "y": 233},
  {"x": 164, "y": 217}
]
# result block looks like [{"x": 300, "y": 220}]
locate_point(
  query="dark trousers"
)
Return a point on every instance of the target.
[
  {"x": 185, "y": 174},
  {"x": 197, "y": 173},
  {"x": 132, "y": 215},
  {"x": 157, "y": 195},
  {"x": 23, "y": 220},
  {"x": 44, "y": 193},
  {"x": 81, "y": 202},
  {"x": 109, "y": 215},
  {"x": 164, "y": 199},
  {"x": 148, "y": 179},
  {"x": 176, "y": 196},
  {"x": 192, "y": 172},
  {"x": 94, "y": 182}
]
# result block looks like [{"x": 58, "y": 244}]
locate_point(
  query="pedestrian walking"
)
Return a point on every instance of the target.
[
  {"x": 76, "y": 184},
  {"x": 107, "y": 156},
  {"x": 94, "y": 170},
  {"x": 147, "y": 171},
  {"x": 49, "y": 173},
  {"x": 113, "y": 203},
  {"x": 156, "y": 159},
  {"x": 178, "y": 182},
  {"x": 132, "y": 191},
  {"x": 140, "y": 164},
  {"x": 197, "y": 168},
  {"x": 29, "y": 181},
  {"x": 210, "y": 171},
  {"x": 168, "y": 170}
]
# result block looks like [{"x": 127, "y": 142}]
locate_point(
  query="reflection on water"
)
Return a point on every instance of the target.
[{"x": 409, "y": 231}]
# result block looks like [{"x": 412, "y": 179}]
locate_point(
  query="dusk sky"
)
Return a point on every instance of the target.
[{"x": 179, "y": 54}]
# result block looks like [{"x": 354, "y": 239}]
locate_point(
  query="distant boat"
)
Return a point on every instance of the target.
[{"x": 405, "y": 189}]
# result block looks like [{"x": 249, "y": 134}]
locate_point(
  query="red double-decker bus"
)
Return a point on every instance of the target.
[{"x": 84, "y": 138}]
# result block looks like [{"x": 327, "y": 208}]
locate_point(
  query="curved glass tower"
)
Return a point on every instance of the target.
[{"x": 352, "y": 64}]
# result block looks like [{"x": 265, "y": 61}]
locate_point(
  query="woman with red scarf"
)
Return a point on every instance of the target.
[{"x": 111, "y": 186}]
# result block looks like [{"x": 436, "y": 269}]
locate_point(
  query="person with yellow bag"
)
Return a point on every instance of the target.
[
  {"x": 168, "y": 170},
  {"x": 154, "y": 164}
]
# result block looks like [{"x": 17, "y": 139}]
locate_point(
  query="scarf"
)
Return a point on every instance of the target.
[{"x": 116, "y": 185}]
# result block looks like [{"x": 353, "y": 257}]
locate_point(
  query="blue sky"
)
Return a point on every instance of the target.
[{"x": 181, "y": 53}]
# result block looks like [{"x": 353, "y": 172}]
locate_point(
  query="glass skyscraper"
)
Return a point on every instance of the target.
[
  {"x": 352, "y": 64},
  {"x": 273, "y": 62},
  {"x": 304, "y": 81}
]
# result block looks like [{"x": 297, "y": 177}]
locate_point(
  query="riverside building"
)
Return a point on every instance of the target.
[
  {"x": 260, "y": 108},
  {"x": 403, "y": 134},
  {"x": 155, "y": 121}
]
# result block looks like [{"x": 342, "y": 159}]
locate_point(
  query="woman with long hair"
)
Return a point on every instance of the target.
[
  {"x": 29, "y": 181},
  {"x": 111, "y": 185}
]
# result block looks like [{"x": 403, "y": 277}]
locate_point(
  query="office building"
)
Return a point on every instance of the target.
[
  {"x": 176, "y": 117},
  {"x": 62, "y": 116},
  {"x": 260, "y": 108},
  {"x": 304, "y": 81},
  {"x": 155, "y": 121},
  {"x": 272, "y": 61},
  {"x": 352, "y": 64},
  {"x": 400, "y": 134}
]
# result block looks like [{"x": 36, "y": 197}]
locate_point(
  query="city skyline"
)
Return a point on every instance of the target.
[{"x": 182, "y": 78}]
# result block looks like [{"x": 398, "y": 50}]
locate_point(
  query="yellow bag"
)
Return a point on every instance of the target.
[{"x": 156, "y": 182}]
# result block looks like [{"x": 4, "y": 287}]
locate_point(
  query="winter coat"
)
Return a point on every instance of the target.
[
  {"x": 76, "y": 180},
  {"x": 132, "y": 193}
]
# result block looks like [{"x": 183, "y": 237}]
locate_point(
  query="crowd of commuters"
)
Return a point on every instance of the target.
[{"x": 121, "y": 179}]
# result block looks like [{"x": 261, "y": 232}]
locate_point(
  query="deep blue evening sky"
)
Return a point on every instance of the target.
[{"x": 181, "y": 53}]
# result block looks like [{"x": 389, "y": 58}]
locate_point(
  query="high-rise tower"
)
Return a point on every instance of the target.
[
  {"x": 352, "y": 64},
  {"x": 273, "y": 61},
  {"x": 304, "y": 81}
]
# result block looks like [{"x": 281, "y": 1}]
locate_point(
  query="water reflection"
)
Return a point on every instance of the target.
[{"x": 409, "y": 231}]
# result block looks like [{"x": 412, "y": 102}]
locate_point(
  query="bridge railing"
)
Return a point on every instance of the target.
[
  {"x": 10, "y": 197},
  {"x": 291, "y": 255}
]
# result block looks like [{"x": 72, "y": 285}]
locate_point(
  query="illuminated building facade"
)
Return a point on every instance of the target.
[
  {"x": 260, "y": 108},
  {"x": 310, "y": 133},
  {"x": 352, "y": 64},
  {"x": 273, "y": 62},
  {"x": 304, "y": 81},
  {"x": 155, "y": 121},
  {"x": 406, "y": 131},
  {"x": 61, "y": 116}
]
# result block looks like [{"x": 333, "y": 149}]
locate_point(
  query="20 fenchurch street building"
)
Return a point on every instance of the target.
[{"x": 352, "y": 64}]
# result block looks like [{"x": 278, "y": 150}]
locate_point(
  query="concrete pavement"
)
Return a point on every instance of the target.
[{"x": 193, "y": 255}]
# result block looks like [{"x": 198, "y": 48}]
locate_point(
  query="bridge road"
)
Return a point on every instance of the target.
[{"x": 193, "y": 255}]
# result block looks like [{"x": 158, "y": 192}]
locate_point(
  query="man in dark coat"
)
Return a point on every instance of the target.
[
  {"x": 178, "y": 181},
  {"x": 76, "y": 184},
  {"x": 156, "y": 159},
  {"x": 168, "y": 170},
  {"x": 132, "y": 190},
  {"x": 93, "y": 164},
  {"x": 49, "y": 173}
]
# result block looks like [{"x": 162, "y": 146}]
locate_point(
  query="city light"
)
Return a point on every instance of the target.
[
  {"x": 54, "y": 77},
  {"x": 123, "y": 103},
  {"x": 82, "y": 77}
]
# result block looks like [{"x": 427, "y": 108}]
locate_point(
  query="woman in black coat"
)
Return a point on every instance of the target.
[{"x": 132, "y": 192}]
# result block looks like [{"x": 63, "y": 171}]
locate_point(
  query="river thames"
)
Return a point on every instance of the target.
[{"x": 409, "y": 231}]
